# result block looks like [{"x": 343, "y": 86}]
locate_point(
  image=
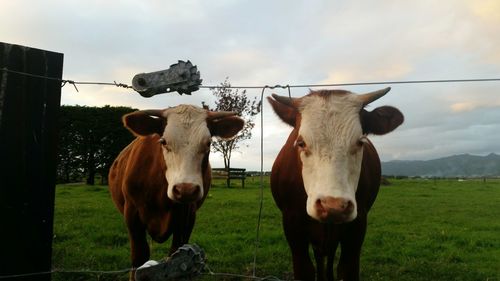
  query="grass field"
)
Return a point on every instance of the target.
[{"x": 418, "y": 230}]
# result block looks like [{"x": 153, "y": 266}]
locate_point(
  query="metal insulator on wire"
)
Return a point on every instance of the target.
[
  {"x": 182, "y": 77},
  {"x": 187, "y": 262}
]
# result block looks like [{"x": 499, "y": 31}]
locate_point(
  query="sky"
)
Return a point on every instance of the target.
[{"x": 256, "y": 43}]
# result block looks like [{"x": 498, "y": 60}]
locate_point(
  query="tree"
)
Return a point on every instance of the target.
[
  {"x": 229, "y": 99},
  {"x": 113, "y": 139},
  {"x": 89, "y": 140},
  {"x": 68, "y": 167}
]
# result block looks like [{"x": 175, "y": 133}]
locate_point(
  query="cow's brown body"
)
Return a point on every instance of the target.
[
  {"x": 159, "y": 181},
  {"x": 138, "y": 188},
  {"x": 301, "y": 231},
  {"x": 326, "y": 177}
]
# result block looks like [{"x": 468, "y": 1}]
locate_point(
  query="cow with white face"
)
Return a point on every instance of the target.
[
  {"x": 326, "y": 176},
  {"x": 161, "y": 178}
]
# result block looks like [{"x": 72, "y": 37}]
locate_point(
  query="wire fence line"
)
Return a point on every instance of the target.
[
  {"x": 207, "y": 272},
  {"x": 362, "y": 83},
  {"x": 98, "y": 272},
  {"x": 264, "y": 87},
  {"x": 65, "y": 81},
  {"x": 123, "y": 85}
]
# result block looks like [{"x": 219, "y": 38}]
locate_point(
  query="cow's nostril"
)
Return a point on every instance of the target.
[
  {"x": 345, "y": 206},
  {"x": 196, "y": 189},
  {"x": 318, "y": 204},
  {"x": 176, "y": 191},
  {"x": 349, "y": 206},
  {"x": 186, "y": 192},
  {"x": 320, "y": 209}
]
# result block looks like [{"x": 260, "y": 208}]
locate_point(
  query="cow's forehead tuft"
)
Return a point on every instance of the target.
[
  {"x": 330, "y": 100},
  {"x": 186, "y": 109},
  {"x": 329, "y": 93},
  {"x": 186, "y": 114}
]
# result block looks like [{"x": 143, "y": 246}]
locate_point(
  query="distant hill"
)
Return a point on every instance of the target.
[{"x": 463, "y": 165}]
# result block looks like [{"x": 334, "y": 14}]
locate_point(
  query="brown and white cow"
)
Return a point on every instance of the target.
[
  {"x": 327, "y": 175},
  {"x": 160, "y": 179}
]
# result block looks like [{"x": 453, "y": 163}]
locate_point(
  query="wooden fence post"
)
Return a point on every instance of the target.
[{"x": 29, "y": 107}]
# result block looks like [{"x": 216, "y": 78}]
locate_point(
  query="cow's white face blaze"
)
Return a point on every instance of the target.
[
  {"x": 186, "y": 142},
  {"x": 185, "y": 136},
  {"x": 330, "y": 146}
]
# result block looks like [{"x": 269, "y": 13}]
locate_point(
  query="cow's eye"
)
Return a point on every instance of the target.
[
  {"x": 300, "y": 143},
  {"x": 207, "y": 146},
  {"x": 165, "y": 144},
  {"x": 362, "y": 140}
]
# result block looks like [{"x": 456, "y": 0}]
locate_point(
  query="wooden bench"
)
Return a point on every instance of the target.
[{"x": 233, "y": 173}]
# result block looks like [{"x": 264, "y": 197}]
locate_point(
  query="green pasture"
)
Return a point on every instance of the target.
[{"x": 418, "y": 230}]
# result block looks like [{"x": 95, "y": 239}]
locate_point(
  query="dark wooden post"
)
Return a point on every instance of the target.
[{"x": 29, "y": 106}]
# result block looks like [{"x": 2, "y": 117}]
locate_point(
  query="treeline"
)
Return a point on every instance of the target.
[{"x": 90, "y": 138}]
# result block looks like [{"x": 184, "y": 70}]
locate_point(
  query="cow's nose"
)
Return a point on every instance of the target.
[
  {"x": 334, "y": 209},
  {"x": 186, "y": 192}
]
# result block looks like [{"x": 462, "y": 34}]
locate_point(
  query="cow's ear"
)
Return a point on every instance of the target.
[
  {"x": 381, "y": 120},
  {"x": 142, "y": 124},
  {"x": 286, "y": 113},
  {"x": 226, "y": 127}
]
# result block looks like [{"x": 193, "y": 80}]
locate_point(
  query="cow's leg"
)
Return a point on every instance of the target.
[
  {"x": 319, "y": 256},
  {"x": 331, "y": 260},
  {"x": 352, "y": 240},
  {"x": 183, "y": 223},
  {"x": 139, "y": 247},
  {"x": 297, "y": 237},
  {"x": 325, "y": 248}
]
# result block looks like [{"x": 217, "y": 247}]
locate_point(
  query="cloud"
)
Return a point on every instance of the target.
[
  {"x": 468, "y": 97},
  {"x": 243, "y": 64},
  {"x": 473, "y": 105},
  {"x": 487, "y": 10},
  {"x": 353, "y": 73},
  {"x": 256, "y": 43}
]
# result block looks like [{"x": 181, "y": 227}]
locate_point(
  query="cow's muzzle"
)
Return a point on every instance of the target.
[
  {"x": 186, "y": 192},
  {"x": 334, "y": 209}
]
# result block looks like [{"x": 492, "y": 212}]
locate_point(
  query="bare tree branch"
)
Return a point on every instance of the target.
[{"x": 234, "y": 100}]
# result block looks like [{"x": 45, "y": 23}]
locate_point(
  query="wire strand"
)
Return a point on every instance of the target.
[
  {"x": 363, "y": 83},
  {"x": 65, "y": 271},
  {"x": 261, "y": 200},
  {"x": 122, "y": 85},
  {"x": 211, "y": 273},
  {"x": 66, "y": 81}
]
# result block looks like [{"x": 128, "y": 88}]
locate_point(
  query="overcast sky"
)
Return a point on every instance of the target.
[{"x": 287, "y": 42}]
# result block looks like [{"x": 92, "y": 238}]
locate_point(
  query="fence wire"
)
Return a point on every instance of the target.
[
  {"x": 123, "y": 85},
  {"x": 208, "y": 272}
]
